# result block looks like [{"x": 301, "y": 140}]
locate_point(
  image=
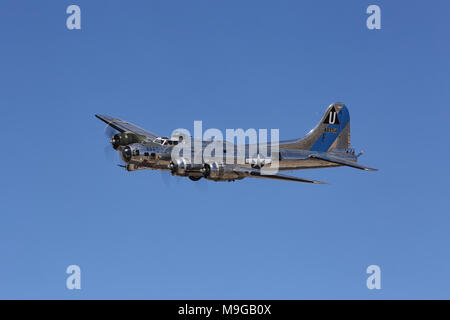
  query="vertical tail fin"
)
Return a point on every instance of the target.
[{"x": 332, "y": 132}]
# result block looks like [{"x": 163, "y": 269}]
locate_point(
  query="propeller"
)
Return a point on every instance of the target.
[
  {"x": 110, "y": 153},
  {"x": 109, "y": 131},
  {"x": 172, "y": 167},
  {"x": 206, "y": 170},
  {"x": 165, "y": 177}
]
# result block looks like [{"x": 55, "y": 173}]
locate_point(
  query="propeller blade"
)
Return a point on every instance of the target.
[
  {"x": 109, "y": 153},
  {"x": 112, "y": 155},
  {"x": 201, "y": 185},
  {"x": 109, "y": 131},
  {"x": 165, "y": 176}
]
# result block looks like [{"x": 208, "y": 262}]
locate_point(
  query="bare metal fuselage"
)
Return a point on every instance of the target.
[{"x": 283, "y": 160}]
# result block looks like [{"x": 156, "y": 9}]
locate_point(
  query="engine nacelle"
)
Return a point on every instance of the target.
[
  {"x": 219, "y": 172},
  {"x": 183, "y": 167},
  {"x": 137, "y": 152},
  {"x": 125, "y": 138}
]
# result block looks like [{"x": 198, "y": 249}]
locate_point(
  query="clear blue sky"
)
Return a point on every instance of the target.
[{"x": 232, "y": 64}]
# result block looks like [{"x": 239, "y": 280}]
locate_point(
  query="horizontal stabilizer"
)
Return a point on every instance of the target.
[{"x": 341, "y": 161}]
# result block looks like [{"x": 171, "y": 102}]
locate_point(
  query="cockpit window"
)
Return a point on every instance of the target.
[
  {"x": 165, "y": 141},
  {"x": 172, "y": 142}
]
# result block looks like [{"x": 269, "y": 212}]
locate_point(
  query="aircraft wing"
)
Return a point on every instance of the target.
[
  {"x": 256, "y": 173},
  {"x": 341, "y": 161},
  {"x": 122, "y": 126}
]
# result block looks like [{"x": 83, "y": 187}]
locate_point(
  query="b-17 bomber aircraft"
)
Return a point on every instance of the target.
[{"x": 327, "y": 145}]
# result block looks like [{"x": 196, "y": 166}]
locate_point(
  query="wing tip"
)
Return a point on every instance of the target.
[
  {"x": 106, "y": 119},
  {"x": 101, "y": 116}
]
